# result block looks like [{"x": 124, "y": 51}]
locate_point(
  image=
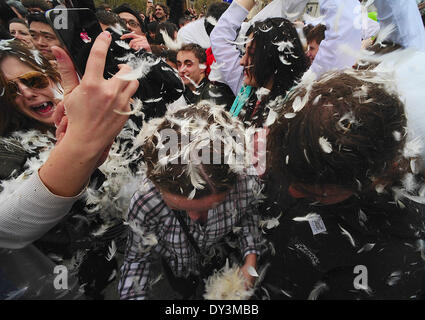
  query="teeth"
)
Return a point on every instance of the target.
[{"x": 45, "y": 104}]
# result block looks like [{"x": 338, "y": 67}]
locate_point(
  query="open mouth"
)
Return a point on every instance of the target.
[{"x": 44, "y": 108}]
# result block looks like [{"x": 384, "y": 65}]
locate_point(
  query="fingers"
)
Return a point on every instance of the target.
[
  {"x": 130, "y": 36},
  {"x": 123, "y": 69},
  {"x": 131, "y": 89},
  {"x": 59, "y": 113},
  {"x": 96, "y": 61},
  {"x": 61, "y": 129},
  {"x": 66, "y": 69}
]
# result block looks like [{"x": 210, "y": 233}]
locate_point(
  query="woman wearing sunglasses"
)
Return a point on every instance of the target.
[
  {"x": 30, "y": 87},
  {"x": 34, "y": 202}
]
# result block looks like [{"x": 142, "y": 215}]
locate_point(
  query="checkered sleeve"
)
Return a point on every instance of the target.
[
  {"x": 143, "y": 219},
  {"x": 250, "y": 237}
]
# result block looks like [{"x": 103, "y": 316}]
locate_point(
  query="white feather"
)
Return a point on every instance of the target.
[
  {"x": 112, "y": 249},
  {"x": 252, "y": 272},
  {"x": 140, "y": 68},
  {"x": 211, "y": 20},
  {"x": 271, "y": 118},
  {"x": 348, "y": 235},
  {"x": 385, "y": 33},
  {"x": 325, "y": 145},
  {"x": 123, "y": 44},
  {"x": 227, "y": 284},
  {"x": 367, "y": 247},
  {"x": 170, "y": 43},
  {"x": 319, "y": 288},
  {"x": 282, "y": 59},
  {"x": 308, "y": 217}
]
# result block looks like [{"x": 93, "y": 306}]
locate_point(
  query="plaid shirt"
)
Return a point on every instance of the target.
[{"x": 153, "y": 218}]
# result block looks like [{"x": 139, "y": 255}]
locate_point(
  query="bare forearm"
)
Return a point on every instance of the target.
[{"x": 69, "y": 167}]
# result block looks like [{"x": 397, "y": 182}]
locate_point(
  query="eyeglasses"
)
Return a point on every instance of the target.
[
  {"x": 131, "y": 23},
  {"x": 33, "y": 80}
]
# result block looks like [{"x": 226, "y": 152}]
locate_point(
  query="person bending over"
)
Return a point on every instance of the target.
[{"x": 189, "y": 206}]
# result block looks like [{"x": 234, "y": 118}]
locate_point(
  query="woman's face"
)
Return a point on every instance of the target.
[
  {"x": 35, "y": 103},
  {"x": 21, "y": 32},
  {"x": 247, "y": 63}
]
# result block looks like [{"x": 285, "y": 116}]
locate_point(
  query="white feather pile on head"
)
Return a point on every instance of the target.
[
  {"x": 227, "y": 284},
  {"x": 225, "y": 128}
]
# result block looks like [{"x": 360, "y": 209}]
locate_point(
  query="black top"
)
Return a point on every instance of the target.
[
  {"x": 216, "y": 92},
  {"x": 369, "y": 243}
]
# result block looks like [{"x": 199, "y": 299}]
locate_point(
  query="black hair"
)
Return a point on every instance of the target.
[
  {"x": 128, "y": 9},
  {"x": 215, "y": 10},
  {"x": 284, "y": 66},
  {"x": 170, "y": 55},
  {"x": 37, "y": 17},
  {"x": 197, "y": 50},
  {"x": 43, "y": 5},
  {"x": 17, "y": 20},
  {"x": 152, "y": 26},
  {"x": 169, "y": 27},
  {"x": 18, "y": 6},
  {"x": 109, "y": 18}
]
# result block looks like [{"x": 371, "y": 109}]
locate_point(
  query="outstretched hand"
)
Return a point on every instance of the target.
[
  {"x": 90, "y": 124},
  {"x": 90, "y": 104}
]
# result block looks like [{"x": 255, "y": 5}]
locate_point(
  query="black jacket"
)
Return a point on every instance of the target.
[
  {"x": 369, "y": 243},
  {"x": 216, "y": 92},
  {"x": 161, "y": 85}
]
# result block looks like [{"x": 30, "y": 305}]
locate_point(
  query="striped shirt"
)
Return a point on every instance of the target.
[{"x": 156, "y": 231}]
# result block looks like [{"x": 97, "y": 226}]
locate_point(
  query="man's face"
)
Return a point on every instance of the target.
[
  {"x": 131, "y": 22},
  {"x": 312, "y": 50},
  {"x": 160, "y": 13},
  {"x": 44, "y": 38},
  {"x": 190, "y": 70}
]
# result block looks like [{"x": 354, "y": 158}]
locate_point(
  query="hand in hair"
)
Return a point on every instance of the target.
[{"x": 91, "y": 121}]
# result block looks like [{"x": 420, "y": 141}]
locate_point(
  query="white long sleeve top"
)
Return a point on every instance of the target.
[
  {"x": 409, "y": 31},
  {"x": 227, "y": 54},
  {"x": 342, "y": 27},
  {"x": 30, "y": 211}
]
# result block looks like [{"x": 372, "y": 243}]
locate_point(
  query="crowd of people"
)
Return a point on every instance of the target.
[{"x": 250, "y": 137}]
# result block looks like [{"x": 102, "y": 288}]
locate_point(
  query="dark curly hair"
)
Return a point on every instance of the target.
[
  {"x": 350, "y": 132},
  {"x": 267, "y": 58}
]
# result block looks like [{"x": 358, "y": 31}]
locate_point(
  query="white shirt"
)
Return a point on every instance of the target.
[
  {"x": 342, "y": 28},
  {"x": 404, "y": 15},
  {"x": 29, "y": 212},
  {"x": 194, "y": 32}
]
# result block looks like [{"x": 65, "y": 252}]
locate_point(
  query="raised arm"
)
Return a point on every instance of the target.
[
  {"x": 342, "y": 28},
  {"x": 41, "y": 201},
  {"x": 227, "y": 54}
]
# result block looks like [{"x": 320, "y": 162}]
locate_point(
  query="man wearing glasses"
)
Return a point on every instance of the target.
[{"x": 131, "y": 18}]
